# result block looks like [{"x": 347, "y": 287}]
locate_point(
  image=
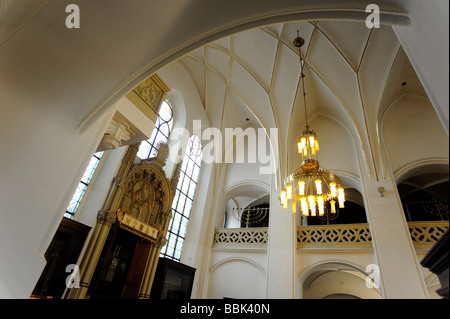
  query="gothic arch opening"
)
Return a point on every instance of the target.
[
  {"x": 337, "y": 280},
  {"x": 424, "y": 193}
]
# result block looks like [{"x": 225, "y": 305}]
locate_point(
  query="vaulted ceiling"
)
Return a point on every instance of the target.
[{"x": 352, "y": 74}]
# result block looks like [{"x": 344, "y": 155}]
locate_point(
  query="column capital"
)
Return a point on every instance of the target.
[{"x": 106, "y": 217}]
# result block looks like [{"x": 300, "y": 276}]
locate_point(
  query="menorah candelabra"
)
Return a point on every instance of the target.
[
  {"x": 328, "y": 216},
  {"x": 436, "y": 206},
  {"x": 250, "y": 216}
]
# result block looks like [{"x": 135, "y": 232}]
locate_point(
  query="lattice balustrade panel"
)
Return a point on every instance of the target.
[
  {"x": 427, "y": 232},
  {"x": 347, "y": 235},
  {"x": 248, "y": 236}
]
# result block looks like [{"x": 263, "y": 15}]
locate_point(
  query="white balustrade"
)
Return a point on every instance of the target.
[
  {"x": 241, "y": 237},
  {"x": 423, "y": 234}
]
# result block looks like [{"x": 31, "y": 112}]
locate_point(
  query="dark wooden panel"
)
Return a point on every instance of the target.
[{"x": 136, "y": 272}]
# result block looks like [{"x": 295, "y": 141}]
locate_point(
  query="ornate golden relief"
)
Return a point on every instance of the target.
[
  {"x": 106, "y": 217},
  {"x": 148, "y": 95},
  {"x": 135, "y": 226},
  {"x": 145, "y": 208}
]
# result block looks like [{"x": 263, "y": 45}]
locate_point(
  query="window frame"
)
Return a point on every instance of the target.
[
  {"x": 158, "y": 134},
  {"x": 176, "y": 233},
  {"x": 77, "y": 199}
]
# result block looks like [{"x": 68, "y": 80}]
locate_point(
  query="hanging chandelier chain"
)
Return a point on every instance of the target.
[
  {"x": 310, "y": 186},
  {"x": 299, "y": 43}
]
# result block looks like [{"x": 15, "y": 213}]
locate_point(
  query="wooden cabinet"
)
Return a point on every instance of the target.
[
  {"x": 62, "y": 251},
  {"x": 173, "y": 280},
  {"x": 121, "y": 266}
]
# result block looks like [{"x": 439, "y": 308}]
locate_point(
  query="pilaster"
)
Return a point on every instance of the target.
[
  {"x": 281, "y": 250},
  {"x": 400, "y": 272}
]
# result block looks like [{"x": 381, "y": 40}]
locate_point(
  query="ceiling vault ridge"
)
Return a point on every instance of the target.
[
  {"x": 374, "y": 167},
  {"x": 389, "y": 71},
  {"x": 377, "y": 108},
  {"x": 356, "y": 137},
  {"x": 196, "y": 59},
  {"x": 364, "y": 50},
  {"x": 344, "y": 105},
  {"x": 226, "y": 91},
  {"x": 272, "y": 34},
  {"x": 254, "y": 76},
  {"x": 335, "y": 119},
  {"x": 359, "y": 110},
  {"x": 390, "y": 16},
  {"x": 218, "y": 48},
  {"x": 274, "y": 67},
  {"x": 397, "y": 97},
  {"x": 385, "y": 82},
  {"x": 337, "y": 48}
]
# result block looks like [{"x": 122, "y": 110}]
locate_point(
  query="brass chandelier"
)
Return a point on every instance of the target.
[{"x": 311, "y": 188}]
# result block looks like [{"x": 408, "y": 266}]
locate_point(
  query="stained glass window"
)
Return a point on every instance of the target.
[
  {"x": 182, "y": 201},
  {"x": 160, "y": 134},
  {"x": 82, "y": 185}
]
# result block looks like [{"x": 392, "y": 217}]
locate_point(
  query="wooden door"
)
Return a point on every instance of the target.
[{"x": 136, "y": 270}]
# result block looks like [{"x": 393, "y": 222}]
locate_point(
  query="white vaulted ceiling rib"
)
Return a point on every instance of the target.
[{"x": 255, "y": 74}]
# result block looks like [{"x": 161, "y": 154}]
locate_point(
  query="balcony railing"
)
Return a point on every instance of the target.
[
  {"x": 241, "y": 237},
  {"x": 423, "y": 234},
  {"x": 334, "y": 236}
]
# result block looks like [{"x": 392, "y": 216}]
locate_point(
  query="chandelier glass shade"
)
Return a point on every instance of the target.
[{"x": 311, "y": 189}]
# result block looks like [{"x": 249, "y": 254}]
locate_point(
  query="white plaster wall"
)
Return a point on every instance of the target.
[
  {"x": 412, "y": 132},
  {"x": 237, "y": 274},
  {"x": 308, "y": 260},
  {"x": 239, "y": 172},
  {"x": 339, "y": 283},
  {"x": 43, "y": 157},
  {"x": 426, "y": 43}
]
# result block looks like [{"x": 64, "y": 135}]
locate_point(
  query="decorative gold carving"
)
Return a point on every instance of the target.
[
  {"x": 148, "y": 95},
  {"x": 135, "y": 226},
  {"x": 106, "y": 217},
  {"x": 163, "y": 153},
  {"x": 147, "y": 198}
]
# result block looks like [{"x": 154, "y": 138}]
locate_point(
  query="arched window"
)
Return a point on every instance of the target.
[
  {"x": 182, "y": 201},
  {"x": 160, "y": 134},
  {"x": 82, "y": 185},
  {"x": 148, "y": 148}
]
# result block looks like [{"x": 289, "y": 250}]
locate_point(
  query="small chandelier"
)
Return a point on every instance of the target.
[{"x": 311, "y": 188}]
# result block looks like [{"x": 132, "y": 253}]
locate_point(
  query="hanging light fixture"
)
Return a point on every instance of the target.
[{"x": 316, "y": 189}]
